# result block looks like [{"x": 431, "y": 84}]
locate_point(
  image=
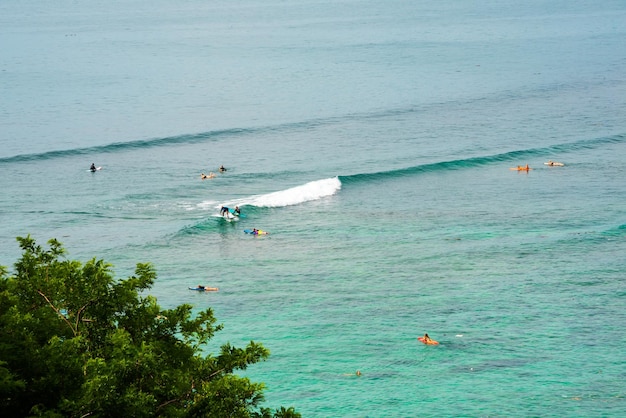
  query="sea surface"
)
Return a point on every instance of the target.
[{"x": 374, "y": 141}]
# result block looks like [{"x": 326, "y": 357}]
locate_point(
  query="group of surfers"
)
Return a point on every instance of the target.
[
  {"x": 225, "y": 210},
  {"x": 211, "y": 175},
  {"x": 527, "y": 168},
  {"x": 203, "y": 176}
]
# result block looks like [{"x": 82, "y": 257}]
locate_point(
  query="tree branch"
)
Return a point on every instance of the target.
[{"x": 75, "y": 331}]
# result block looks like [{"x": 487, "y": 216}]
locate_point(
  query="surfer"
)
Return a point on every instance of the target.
[
  {"x": 427, "y": 339},
  {"x": 93, "y": 167},
  {"x": 237, "y": 212},
  {"x": 209, "y": 176},
  {"x": 554, "y": 164},
  {"x": 222, "y": 169},
  {"x": 357, "y": 373},
  {"x": 202, "y": 288},
  {"x": 223, "y": 211}
]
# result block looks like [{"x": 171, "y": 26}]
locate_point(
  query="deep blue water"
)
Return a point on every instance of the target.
[{"x": 374, "y": 141}]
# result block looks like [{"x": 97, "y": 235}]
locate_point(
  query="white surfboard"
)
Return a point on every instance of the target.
[{"x": 230, "y": 217}]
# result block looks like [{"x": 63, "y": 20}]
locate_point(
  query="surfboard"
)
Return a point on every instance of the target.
[
  {"x": 230, "y": 217},
  {"x": 429, "y": 342},
  {"x": 553, "y": 164},
  {"x": 97, "y": 169}
]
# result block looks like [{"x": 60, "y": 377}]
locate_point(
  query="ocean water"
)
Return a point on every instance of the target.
[{"x": 374, "y": 140}]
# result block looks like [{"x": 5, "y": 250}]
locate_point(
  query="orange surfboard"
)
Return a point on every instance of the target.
[{"x": 429, "y": 342}]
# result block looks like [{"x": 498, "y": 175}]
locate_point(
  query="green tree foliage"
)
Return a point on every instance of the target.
[{"x": 75, "y": 342}]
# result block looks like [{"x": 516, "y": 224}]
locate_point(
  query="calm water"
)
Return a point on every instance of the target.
[{"x": 374, "y": 141}]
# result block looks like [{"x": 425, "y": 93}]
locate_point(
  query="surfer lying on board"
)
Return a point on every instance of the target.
[
  {"x": 554, "y": 164},
  {"x": 209, "y": 176},
  {"x": 203, "y": 288}
]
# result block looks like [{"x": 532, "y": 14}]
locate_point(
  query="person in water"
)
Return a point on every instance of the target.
[
  {"x": 427, "y": 339},
  {"x": 222, "y": 169},
  {"x": 224, "y": 210},
  {"x": 93, "y": 167}
]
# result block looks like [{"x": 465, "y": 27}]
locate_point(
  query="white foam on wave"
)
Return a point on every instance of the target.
[
  {"x": 207, "y": 204},
  {"x": 313, "y": 190}
]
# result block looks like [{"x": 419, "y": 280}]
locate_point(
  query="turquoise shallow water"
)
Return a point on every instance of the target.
[{"x": 374, "y": 142}]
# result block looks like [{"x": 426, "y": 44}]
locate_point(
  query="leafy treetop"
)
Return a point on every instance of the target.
[{"x": 75, "y": 342}]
